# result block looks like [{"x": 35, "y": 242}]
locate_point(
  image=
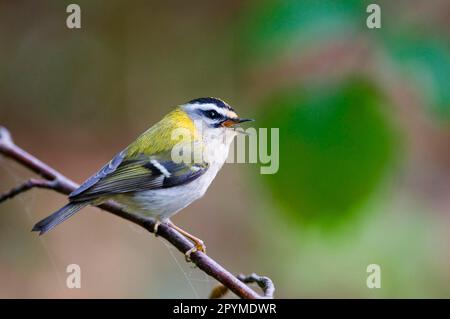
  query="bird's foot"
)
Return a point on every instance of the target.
[
  {"x": 155, "y": 228},
  {"x": 199, "y": 245}
]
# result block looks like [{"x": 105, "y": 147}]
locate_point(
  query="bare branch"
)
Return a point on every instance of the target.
[
  {"x": 29, "y": 184},
  {"x": 56, "y": 181},
  {"x": 265, "y": 283}
]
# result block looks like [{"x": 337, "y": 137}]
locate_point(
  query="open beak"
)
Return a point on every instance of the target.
[{"x": 234, "y": 121}]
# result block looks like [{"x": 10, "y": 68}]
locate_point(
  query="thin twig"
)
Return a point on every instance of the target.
[
  {"x": 29, "y": 184},
  {"x": 64, "y": 185},
  {"x": 265, "y": 283}
]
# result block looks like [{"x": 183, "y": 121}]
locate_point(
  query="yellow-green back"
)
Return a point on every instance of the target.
[{"x": 160, "y": 137}]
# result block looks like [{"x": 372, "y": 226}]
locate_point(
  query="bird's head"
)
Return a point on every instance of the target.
[{"x": 213, "y": 113}]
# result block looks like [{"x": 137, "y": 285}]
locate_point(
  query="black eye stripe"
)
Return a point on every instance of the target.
[{"x": 212, "y": 114}]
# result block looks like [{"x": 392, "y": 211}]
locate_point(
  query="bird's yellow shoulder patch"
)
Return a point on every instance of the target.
[{"x": 164, "y": 135}]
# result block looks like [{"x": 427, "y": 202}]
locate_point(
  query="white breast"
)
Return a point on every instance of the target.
[{"x": 165, "y": 202}]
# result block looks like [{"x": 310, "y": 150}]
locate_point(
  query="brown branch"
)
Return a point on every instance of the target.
[
  {"x": 29, "y": 184},
  {"x": 58, "y": 182},
  {"x": 265, "y": 283}
]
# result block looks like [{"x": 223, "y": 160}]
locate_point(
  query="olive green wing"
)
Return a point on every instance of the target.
[
  {"x": 103, "y": 172},
  {"x": 140, "y": 173}
]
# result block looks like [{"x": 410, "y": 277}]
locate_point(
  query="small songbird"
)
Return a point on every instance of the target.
[{"x": 168, "y": 167}]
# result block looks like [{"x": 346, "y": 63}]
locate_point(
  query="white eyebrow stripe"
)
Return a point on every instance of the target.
[
  {"x": 161, "y": 168},
  {"x": 209, "y": 106}
]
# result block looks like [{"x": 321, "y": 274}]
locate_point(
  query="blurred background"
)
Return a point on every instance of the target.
[{"x": 364, "y": 119}]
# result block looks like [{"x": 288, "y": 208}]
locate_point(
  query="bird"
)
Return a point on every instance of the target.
[{"x": 164, "y": 170}]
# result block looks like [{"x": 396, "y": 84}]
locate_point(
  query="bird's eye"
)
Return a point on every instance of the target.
[{"x": 212, "y": 114}]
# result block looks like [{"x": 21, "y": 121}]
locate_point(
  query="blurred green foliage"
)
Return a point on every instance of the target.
[
  {"x": 342, "y": 151},
  {"x": 272, "y": 25},
  {"x": 417, "y": 52},
  {"x": 336, "y": 144},
  {"x": 425, "y": 60}
]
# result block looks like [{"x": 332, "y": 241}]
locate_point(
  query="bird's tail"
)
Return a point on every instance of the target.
[{"x": 58, "y": 217}]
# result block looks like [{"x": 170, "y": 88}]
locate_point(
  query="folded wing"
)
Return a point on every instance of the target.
[{"x": 140, "y": 173}]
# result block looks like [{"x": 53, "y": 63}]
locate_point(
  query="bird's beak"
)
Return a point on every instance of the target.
[{"x": 234, "y": 121}]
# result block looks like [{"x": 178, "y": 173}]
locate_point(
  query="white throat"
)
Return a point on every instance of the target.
[{"x": 216, "y": 143}]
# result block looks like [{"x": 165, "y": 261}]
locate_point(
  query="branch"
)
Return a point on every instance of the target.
[
  {"x": 29, "y": 184},
  {"x": 265, "y": 283},
  {"x": 54, "y": 180}
]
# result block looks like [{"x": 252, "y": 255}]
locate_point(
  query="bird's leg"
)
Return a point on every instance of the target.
[{"x": 199, "y": 244}]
